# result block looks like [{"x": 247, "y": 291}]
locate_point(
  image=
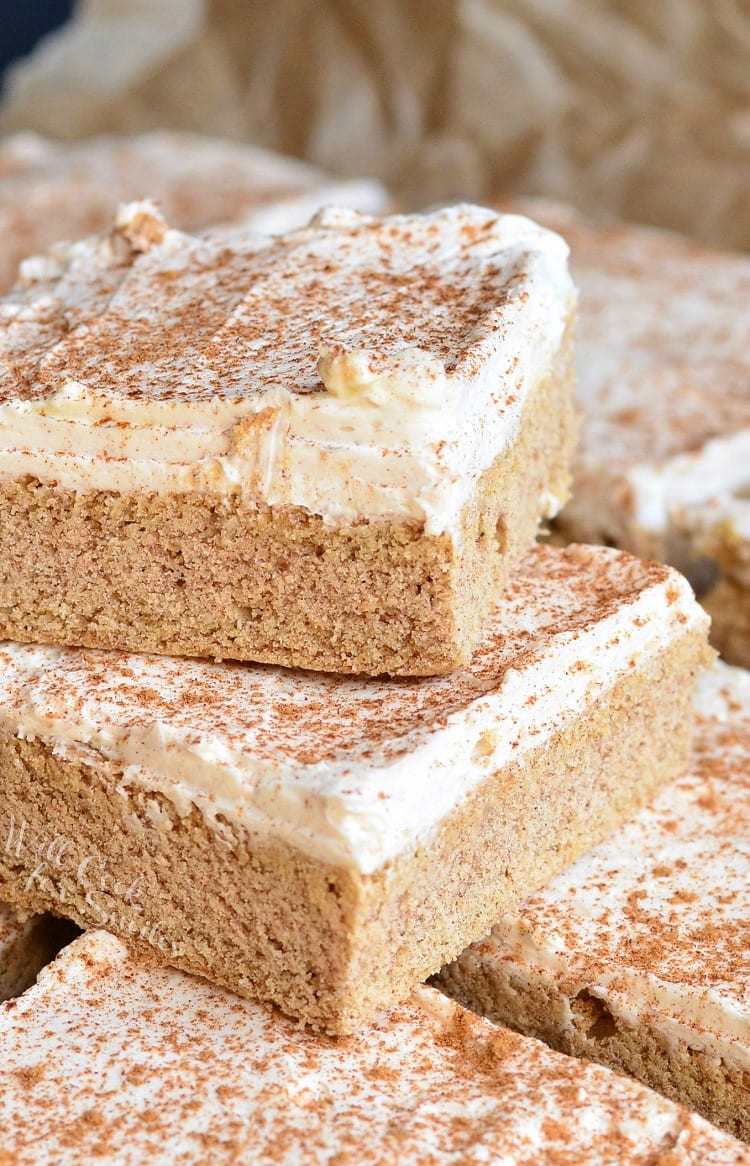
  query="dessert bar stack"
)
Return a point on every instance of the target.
[
  {"x": 289, "y": 697},
  {"x": 327, "y": 450}
]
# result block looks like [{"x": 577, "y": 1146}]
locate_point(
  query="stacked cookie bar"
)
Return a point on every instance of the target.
[
  {"x": 326, "y": 842},
  {"x": 325, "y": 450},
  {"x": 289, "y": 698}
]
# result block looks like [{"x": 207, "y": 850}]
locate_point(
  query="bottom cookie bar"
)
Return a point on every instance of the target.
[
  {"x": 637, "y": 956},
  {"x": 107, "y": 1060},
  {"x": 326, "y": 843}
]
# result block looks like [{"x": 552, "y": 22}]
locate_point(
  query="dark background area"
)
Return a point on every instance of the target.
[{"x": 23, "y": 22}]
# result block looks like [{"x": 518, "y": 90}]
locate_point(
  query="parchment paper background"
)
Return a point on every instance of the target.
[{"x": 638, "y": 108}]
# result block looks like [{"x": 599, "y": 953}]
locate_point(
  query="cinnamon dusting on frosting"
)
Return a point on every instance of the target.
[
  {"x": 253, "y": 315},
  {"x": 386, "y": 362},
  {"x": 137, "y": 1063}
]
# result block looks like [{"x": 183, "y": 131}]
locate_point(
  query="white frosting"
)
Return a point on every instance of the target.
[
  {"x": 655, "y": 921},
  {"x": 350, "y": 771},
  {"x": 684, "y": 484},
  {"x": 185, "y": 364},
  {"x": 108, "y": 1059}
]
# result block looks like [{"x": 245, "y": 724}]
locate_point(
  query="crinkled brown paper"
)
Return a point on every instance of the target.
[{"x": 636, "y": 108}]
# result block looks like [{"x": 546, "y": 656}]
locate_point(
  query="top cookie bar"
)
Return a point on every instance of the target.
[{"x": 325, "y": 450}]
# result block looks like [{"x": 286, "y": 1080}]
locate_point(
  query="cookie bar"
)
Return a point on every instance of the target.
[
  {"x": 663, "y": 379},
  {"x": 327, "y": 450},
  {"x": 325, "y": 842}
]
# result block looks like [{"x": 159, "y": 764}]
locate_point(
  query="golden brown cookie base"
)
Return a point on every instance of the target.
[
  {"x": 326, "y": 943},
  {"x": 206, "y": 574}
]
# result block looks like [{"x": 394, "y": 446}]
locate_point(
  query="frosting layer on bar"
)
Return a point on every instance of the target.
[
  {"x": 130, "y": 1063},
  {"x": 352, "y": 771},
  {"x": 655, "y": 922},
  {"x": 177, "y": 1070},
  {"x": 358, "y": 367},
  {"x": 51, "y": 191}
]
